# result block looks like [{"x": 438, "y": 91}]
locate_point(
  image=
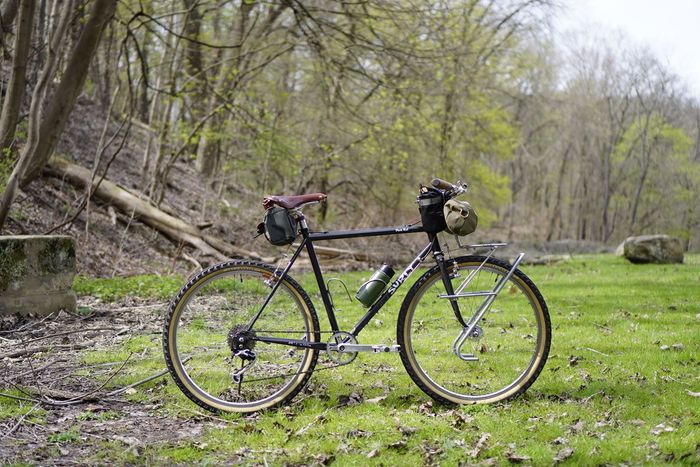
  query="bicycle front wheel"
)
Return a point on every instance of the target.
[
  {"x": 507, "y": 349},
  {"x": 214, "y": 355}
]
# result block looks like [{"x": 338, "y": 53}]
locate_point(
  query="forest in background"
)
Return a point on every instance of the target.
[{"x": 588, "y": 138}]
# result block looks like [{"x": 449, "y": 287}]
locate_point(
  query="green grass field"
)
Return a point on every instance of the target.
[{"x": 622, "y": 385}]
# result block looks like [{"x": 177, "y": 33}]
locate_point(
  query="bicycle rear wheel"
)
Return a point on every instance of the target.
[
  {"x": 207, "y": 344},
  {"x": 510, "y": 345}
]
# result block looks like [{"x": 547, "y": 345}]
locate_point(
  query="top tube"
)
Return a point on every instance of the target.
[{"x": 372, "y": 232}]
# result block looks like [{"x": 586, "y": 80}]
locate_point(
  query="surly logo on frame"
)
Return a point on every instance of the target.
[{"x": 404, "y": 275}]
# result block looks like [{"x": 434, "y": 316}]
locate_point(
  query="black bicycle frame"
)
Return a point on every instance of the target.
[{"x": 308, "y": 239}]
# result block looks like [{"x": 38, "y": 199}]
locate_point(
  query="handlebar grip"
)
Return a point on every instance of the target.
[{"x": 441, "y": 184}]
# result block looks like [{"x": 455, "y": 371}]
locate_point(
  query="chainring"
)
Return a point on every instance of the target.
[{"x": 341, "y": 358}]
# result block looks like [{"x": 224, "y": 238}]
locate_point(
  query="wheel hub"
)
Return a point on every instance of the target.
[
  {"x": 477, "y": 333},
  {"x": 239, "y": 339}
]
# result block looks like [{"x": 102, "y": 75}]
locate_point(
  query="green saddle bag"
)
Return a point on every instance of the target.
[{"x": 460, "y": 217}]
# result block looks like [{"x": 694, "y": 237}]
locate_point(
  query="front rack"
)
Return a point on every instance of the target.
[{"x": 489, "y": 295}]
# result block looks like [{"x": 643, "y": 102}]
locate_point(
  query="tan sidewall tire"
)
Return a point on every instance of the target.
[
  {"x": 175, "y": 366},
  {"x": 516, "y": 388}
]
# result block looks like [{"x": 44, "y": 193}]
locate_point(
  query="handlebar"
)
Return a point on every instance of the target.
[
  {"x": 452, "y": 189},
  {"x": 442, "y": 184}
]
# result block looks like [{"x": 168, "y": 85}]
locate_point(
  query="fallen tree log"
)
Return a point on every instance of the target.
[
  {"x": 176, "y": 229},
  {"x": 339, "y": 253}
]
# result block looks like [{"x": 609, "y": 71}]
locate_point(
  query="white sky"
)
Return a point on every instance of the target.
[{"x": 671, "y": 28}]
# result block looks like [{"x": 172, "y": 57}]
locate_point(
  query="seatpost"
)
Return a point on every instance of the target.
[{"x": 302, "y": 221}]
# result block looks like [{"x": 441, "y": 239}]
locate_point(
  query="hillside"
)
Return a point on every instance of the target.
[{"x": 113, "y": 243}]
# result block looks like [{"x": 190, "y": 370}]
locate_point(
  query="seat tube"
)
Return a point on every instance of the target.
[{"x": 319, "y": 275}]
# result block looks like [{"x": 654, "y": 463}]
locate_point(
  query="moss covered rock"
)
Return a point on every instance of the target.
[
  {"x": 659, "y": 249},
  {"x": 36, "y": 274}
]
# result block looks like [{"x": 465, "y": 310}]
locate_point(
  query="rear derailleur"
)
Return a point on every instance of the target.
[{"x": 241, "y": 343}]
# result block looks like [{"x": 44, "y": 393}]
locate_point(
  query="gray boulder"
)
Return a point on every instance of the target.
[{"x": 659, "y": 249}]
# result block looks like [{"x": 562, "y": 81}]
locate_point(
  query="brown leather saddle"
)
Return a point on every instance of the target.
[{"x": 291, "y": 202}]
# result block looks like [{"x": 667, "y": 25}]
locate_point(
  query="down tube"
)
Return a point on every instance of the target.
[{"x": 392, "y": 289}]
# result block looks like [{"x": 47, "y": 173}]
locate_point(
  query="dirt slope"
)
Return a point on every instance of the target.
[{"x": 114, "y": 243}]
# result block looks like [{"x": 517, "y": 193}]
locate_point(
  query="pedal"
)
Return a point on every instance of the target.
[{"x": 385, "y": 348}]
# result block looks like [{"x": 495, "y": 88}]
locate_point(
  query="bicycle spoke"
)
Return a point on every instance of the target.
[
  {"x": 210, "y": 324},
  {"x": 502, "y": 355}
]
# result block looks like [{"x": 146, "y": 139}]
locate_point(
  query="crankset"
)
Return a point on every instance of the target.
[
  {"x": 337, "y": 349},
  {"x": 343, "y": 348}
]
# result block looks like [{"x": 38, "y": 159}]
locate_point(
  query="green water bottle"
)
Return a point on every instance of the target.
[{"x": 371, "y": 289}]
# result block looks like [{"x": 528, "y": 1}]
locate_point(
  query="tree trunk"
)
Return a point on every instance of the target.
[
  {"x": 644, "y": 164},
  {"x": 208, "y": 151},
  {"x": 7, "y": 17},
  {"x": 555, "y": 217},
  {"x": 35, "y": 155},
  {"x": 18, "y": 79},
  {"x": 37, "y": 104},
  {"x": 150, "y": 215},
  {"x": 69, "y": 88},
  {"x": 607, "y": 194}
]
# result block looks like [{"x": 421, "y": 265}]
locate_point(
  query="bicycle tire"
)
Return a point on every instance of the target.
[
  {"x": 513, "y": 346},
  {"x": 208, "y": 317}
]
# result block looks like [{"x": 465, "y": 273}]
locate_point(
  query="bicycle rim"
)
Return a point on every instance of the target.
[
  {"x": 206, "y": 326},
  {"x": 509, "y": 346}
]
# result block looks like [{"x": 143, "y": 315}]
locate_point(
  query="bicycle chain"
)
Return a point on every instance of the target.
[{"x": 299, "y": 373}]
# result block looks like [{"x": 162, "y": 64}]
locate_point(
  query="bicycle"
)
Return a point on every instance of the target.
[{"x": 243, "y": 336}]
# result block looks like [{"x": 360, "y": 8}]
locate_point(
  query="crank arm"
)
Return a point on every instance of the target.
[{"x": 373, "y": 348}]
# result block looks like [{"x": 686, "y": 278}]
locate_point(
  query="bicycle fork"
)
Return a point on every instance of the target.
[{"x": 471, "y": 329}]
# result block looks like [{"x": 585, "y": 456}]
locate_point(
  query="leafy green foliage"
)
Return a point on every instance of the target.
[
  {"x": 7, "y": 163},
  {"x": 70, "y": 436}
]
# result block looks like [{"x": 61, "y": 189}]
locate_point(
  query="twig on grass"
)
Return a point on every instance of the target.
[
  {"x": 18, "y": 398},
  {"x": 24, "y": 373},
  {"x": 588, "y": 398},
  {"x": 66, "y": 333},
  {"x": 595, "y": 351},
  {"x": 20, "y": 421},
  {"x": 143, "y": 381},
  {"x": 320, "y": 418},
  {"x": 44, "y": 348}
]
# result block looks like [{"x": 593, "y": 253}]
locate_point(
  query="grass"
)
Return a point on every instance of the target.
[
  {"x": 621, "y": 385},
  {"x": 113, "y": 289}
]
